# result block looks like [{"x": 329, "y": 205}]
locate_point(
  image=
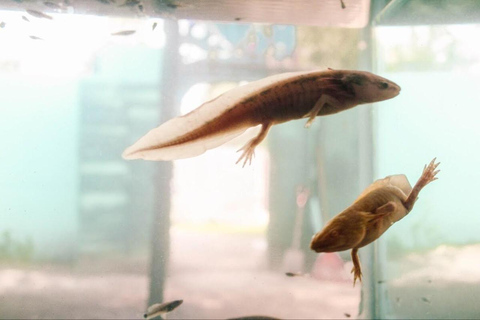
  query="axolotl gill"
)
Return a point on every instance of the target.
[
  {"x": 266, "y": 102},
  {"x": 380, "y": 205}
]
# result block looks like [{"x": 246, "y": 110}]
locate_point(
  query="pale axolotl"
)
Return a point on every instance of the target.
[
  {"x": 265, "y": 102},
  {"x": 380, "y": 205},
  {"x": 160, "y": 309}
]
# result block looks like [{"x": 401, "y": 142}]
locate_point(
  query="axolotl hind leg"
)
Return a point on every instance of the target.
[
  {"x": 428, "y": 175},
  {"x": 356, "y": 270},
  {"x": 249, "y": 148}
]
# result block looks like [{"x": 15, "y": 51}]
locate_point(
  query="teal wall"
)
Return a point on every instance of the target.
[
  {"x": 428, "y": 262},
  {"x": 39, "y": 139},
  {"x": 436, "y": 115},
  {"x": 129, "y": 64}
]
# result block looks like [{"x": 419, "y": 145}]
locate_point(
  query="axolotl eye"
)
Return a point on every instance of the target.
[{"x": 383, "y": 85}]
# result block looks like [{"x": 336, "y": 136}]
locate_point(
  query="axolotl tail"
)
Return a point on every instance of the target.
[{"x": 170, "y": 142}]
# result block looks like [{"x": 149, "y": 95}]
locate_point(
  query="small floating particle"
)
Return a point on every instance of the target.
[
  {"x": 53, "y": 5},
  {"x": 123, "y": 33},
  {"x": 342, "y": 4},
  {"x": 424, "y": 299},
  {"x": 38, "y": 14},
  {"x": 154, "y": 25},
  {"x": 25, "y": 18},
  {"x": 159, "y": 309},
  {"x": 348, "y": 315},
  {"x": 36, "y": 38},
  {"x": 296, "y": 274},
  {"x": 130, "y": 3},
  {"x": 238, "y": 19},
  {"x": 2, "y": 24},
  {"x": 254, "y": 318},
  {"x": 140, "y": 7}
]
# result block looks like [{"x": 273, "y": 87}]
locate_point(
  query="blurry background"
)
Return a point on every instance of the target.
[{"x": 86, "y": 234}]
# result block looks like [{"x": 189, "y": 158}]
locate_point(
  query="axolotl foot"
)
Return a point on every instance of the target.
[
  {"x": 248, "y": 153},
  {"x": 429, "y": 173},
  {"x": 249, "y": 148},
  {"x": 357, "y": 274}
]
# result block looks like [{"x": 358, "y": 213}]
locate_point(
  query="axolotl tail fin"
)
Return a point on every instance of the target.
[
  {"x": 398, "y": 180},
  {"x": 160, "y": 143}
]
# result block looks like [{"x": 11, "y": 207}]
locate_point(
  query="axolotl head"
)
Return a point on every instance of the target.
[
  {"x": 369, "y": 87},
  {"x": 343, "y": 232}
]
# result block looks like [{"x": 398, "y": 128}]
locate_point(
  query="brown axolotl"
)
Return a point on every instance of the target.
[
  {"x": 380, "y": 205},
  {"x": 265, "y": 102}
]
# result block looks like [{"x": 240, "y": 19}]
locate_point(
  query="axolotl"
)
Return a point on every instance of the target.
[
  {"x": 160, "y": 309},
  {"x": 272, "y": 100},
  {"x": 380, "y": 205}
]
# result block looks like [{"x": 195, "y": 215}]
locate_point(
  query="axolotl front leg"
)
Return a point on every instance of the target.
[
  {"x": 324, "y": 99},
  {"x": 249, "y": 148}
]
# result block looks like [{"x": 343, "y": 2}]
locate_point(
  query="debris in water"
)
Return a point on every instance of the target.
[
  {"x": 342, "y": 4},
  {"x": 424, "y": 299},
  {"x": 36, "y": 38},
  {"x": 53, "y": 5},
  {"x": 25, "y": 18},
  {"x": 154, "y": 25},
  {"x": 172, "y": 5},
  {"x": 124, "y": 33},
  {"x": 296, "y": 274},
  {"x": 2, "y": 24},
  {"x": 38, "y": 14},
  {"x": 254, "y": 318},
  {"x": 130, "y": 3}
]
